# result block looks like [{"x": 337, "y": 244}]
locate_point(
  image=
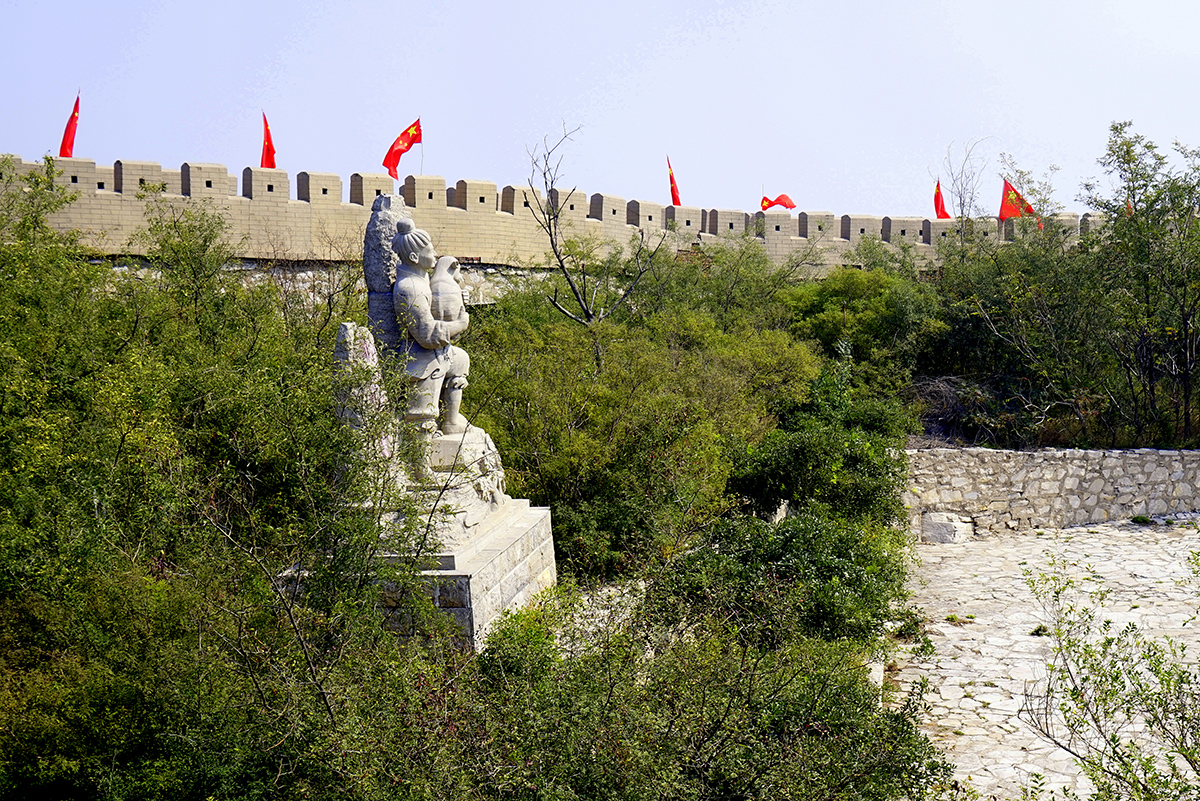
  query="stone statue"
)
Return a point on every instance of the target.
[
  {"x": 492, "y": 552},
  {"x": 430, "y": 314}
]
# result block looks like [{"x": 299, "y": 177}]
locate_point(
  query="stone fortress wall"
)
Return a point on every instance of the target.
[
  {"x": 475, "y": 221},
  {"x": 957, "y": 493}
]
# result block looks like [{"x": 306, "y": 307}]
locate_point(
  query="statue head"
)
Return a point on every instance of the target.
[{"x": 414, "y": 246}]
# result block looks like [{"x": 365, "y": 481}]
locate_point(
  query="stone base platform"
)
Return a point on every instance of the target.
[{"x": 506, "y": 562}]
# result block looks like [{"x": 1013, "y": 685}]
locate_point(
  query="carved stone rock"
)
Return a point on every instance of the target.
[{"x": 379, "y": 267}]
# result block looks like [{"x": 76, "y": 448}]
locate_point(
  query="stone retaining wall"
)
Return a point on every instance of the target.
[{"x": 955, "y": 493}]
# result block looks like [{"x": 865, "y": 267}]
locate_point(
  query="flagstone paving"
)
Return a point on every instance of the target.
[{"x": 985, "y": 656}]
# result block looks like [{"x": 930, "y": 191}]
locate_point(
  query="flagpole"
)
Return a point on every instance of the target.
[{"x": 422, "y": 155}]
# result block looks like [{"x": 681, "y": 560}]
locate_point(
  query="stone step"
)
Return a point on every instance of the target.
[{"x": 504, "y": 565}]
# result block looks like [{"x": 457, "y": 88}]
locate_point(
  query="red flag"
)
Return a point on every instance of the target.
[
  {"x": 403, "y": 143},
  {"x": 782, "y": 200},
  {"x": 674, "y": 189},
  {"x": 1013, "y": 205},
  {"x": 268, "y": 154},
  {"x": 939, "y": 203},
  {"x": 68, "y": 143}
]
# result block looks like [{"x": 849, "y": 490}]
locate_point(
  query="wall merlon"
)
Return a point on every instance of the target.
[
  {"x": 857, "y": 226},
  {"x": 725, "y": 222},
  {"x": 260, "y": 183},
  {"x": 687, "y": 219},
  {"x": 572, "y": 204},
  {"x": 476, "y": 197},
  {"x": 425, "y": 191},
  {"x": 903, "y": 229},
  {"x": 1069, "y": 220},
  {"x": 933, "y": 231},
  {"x": 206, "y": 180},
  {"x": 77, "y": 174},
  {"x": 319, "y": 187},
  {"x": 776, "y": 224},
  {"x": 515, "y": 199},
  {"x": 365, "y": 187},
  {"x": 131, "y": 177},
  {"x": 106, "y": 180},
  {"x": 1091, "y": 221},
  {"x": 818, "y": 224},
  {"x": 607, "y": 208},
  {"x": 645, "y": 215}
]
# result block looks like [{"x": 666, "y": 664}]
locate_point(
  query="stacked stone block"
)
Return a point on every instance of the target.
[{"x": 995, "y": 490}]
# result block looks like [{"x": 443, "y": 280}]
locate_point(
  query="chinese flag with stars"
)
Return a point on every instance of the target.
[
  {"x": 68, "y": 143},
  {"x": 782, "y": 200},
  {"x": 403, "y": 143},
  {"x": 268, "y": 154},
  {"x": 1013, "y": 205}
]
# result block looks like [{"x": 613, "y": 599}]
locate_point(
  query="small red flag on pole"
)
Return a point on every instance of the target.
[
  {"x": 403, "y": 143},
  {"x": 782, "y": 200},
  {"x": 674, "y": 188},
  {"x": 68, "y": 141},
  {"x": 268, "y": 154},
  {"x": 939, "y": 203},
  {"x": 1013, "y": 205}
]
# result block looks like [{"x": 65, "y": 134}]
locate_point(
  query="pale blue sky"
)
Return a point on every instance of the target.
[{"x": 848, "y": 107}]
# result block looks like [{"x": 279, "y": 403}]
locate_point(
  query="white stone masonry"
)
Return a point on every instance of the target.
[{"x": 954, "y": 493}]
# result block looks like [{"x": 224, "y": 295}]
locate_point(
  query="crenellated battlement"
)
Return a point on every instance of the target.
[{"x": 474, "y": 220}]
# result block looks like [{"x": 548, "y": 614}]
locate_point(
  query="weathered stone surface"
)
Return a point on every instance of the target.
[
  {"x": 946, "y": 527},
  {"x": 379, "y": 266},
  {"x": 985, "y": 662},
  {"x": 469, "y": 479}
]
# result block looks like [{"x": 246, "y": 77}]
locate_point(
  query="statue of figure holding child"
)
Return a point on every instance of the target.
[
  {"x": 494, "y": 552},
  {"x": 430, "y": 312}
]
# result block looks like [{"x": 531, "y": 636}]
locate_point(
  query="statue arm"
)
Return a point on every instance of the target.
[{"x": 413, "y": 311}]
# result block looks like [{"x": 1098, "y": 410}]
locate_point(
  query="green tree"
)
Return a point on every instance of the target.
[
  {"x": 1147, "y": 259},
  {"x": 888, "y": 317}
]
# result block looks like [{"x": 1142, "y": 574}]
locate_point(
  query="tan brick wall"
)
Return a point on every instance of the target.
[{"x": 269, "y": 223}]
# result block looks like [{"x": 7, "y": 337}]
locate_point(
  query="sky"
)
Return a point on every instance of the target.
[{"x": 852, "y": 107}]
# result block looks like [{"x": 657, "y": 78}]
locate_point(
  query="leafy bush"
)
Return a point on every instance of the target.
[
  {"x": 831, "y": 450},
  {"x": 626, "y": 428}
]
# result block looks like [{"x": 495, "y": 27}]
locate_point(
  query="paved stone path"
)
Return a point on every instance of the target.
[{"x": 983, "y": 661}]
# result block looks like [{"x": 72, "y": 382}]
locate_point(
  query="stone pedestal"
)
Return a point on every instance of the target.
[
  {"x": 495, "y": 552},
  {"x": 507, "y": 561}
]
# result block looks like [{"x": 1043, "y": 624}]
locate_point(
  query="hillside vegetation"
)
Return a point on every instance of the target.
[{"x": 170, "y": 456}]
